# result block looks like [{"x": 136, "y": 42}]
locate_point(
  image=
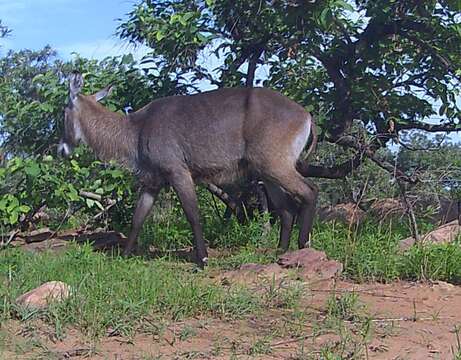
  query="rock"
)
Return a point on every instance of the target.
[
  {"x": 443, "y": 234},
  {"x": 301, "y": 258},
  {"x": 437, "y": 211},
  {"x": 348, "y": 213},
  {"x": 259, "y": 268},
  {"x": 45, "y": 239},
  {"x": 313, "y": 264},
  {"x": 252, "y": 273},
  {"x": 45, "y": 294},
  {"x": 55, "y": 245},
  {"x": 37, "y": 235},
  {"x": 384, "y": 209},
  {"x": 443, "y": 285},
  {"x": 448, "y": 211},
  {"x": 310, "y": 265}
]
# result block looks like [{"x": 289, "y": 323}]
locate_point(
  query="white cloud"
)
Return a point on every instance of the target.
[
  {"x": 10, "y": 10},
  {"x": 99, "y": 49}
]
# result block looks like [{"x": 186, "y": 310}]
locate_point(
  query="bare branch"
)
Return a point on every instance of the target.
[
  {"x": 424, "y": 46},
  {"x": 223, "y": 196},
  {"x": 334, "y": 172},
  {"x": 428, "y": 127},
  {"x": 253, "y": 63},
  {"x": 90, "y": 195},
  {"x": 352, "y": 142}
]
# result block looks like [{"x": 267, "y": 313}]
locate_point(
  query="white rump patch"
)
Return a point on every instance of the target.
[{"x": 301, "y": 138}]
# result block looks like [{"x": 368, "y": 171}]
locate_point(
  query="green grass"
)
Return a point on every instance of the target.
[
  {"x": 367, "y": 253},
  {"x": 126, "y": 295},
  {"x": 113, "y": 292},
  {"x": 371, "y": 253},
  {"x": 434, "y": 262}
]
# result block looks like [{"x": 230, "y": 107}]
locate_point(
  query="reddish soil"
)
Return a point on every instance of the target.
[{"x": 409, "y": 321}]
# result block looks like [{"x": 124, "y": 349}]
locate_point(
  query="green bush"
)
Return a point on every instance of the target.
[{"x": 26, "y": 185}]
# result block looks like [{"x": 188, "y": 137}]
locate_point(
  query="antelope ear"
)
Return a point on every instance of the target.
[
  {"x": 101, "y": 94},
  {"x": 75, "y": 85}
]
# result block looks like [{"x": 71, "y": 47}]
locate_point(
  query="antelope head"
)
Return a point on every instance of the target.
[{"x": 74, "y": 115}]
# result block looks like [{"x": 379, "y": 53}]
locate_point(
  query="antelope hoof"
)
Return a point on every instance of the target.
[
  {"x": 200, "y": 259},
  {"x": 202, "y": 262},
  {"x": 129, "y": 251}
]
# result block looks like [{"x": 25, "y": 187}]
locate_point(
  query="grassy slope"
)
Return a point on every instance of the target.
[{"x": 123, "y": 294}]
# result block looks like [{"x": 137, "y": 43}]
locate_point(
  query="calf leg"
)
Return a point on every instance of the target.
[
  {"x": 282, "y": 208},
  {"x": 298, "y": 188},
  {"x": 286, "y": 226},
  {"x": 184, "y": 186},
  {"x": 143, "y": 208},
  {"x": 306, "y": 217}
]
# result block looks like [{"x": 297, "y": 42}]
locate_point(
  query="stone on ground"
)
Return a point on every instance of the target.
[
  {"x": 309, "y": 264},
  {"x": 443, "y": 234},
  {"x": 348, "y": 213},
  {"x": 312, "y": 264},
  {"x": 44, "y": 295}
]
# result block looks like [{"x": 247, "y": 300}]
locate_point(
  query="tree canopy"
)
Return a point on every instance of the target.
[
  {"x": 4, "y": 30},
  {"x": 387, "y": 65},
  {"x": 33, "y": 92}
]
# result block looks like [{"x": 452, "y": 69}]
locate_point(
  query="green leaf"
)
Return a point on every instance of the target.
[
  {"x": 32, "y": 169},
  {"x": 202, "y": 38},
  {"x": 160, "y": 35},
  {"x": 3, "y": 202},
  {"x": 37, "y": 78},
  {"x": 90, "y": 203},
  {"x": 345, "y": 5},
  {"x": 99, "y": 205},
  {"x": 24, "y": 208},
  {"x": 13, "y": 218},
  {"x": 187, "y": 16},
  {"x": 14, "y": 203},
  {"x": 73, "y": 193},
  {"x": 324, "y": 15},
  {"x": 127, "y": 59}
]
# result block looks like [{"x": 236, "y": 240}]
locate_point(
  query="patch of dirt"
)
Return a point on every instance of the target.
[
  {"x": 306, "y": 265},
  {"x": 409, "y": 321},
  {"x": 406, "y": 321}
]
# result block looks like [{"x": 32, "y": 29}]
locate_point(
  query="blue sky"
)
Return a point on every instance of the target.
[{"x": 83, "y": 26}]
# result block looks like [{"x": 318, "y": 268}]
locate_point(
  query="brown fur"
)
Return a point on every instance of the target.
[
  {"x": 111, "y": 135},
  {"x": 215, "y": 137}
]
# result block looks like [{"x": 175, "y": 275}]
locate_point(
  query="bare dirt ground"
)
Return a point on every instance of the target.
[{"x": 406, "y": 321}]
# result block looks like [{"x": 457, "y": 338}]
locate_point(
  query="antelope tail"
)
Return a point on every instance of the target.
[
  {"x": 303, "y": 164},
  {"x": 313, "y": 144}
]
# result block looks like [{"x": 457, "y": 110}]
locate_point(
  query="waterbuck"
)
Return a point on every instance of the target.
[{"x": 215, "y": 137}]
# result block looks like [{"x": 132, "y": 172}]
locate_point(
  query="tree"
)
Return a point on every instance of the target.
[
  {"x": 387, "y": 65},
  {"x": 4, "y": 30},
  {"x": 435, "y": 160},
  {"x": 33, "y": 91}
]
